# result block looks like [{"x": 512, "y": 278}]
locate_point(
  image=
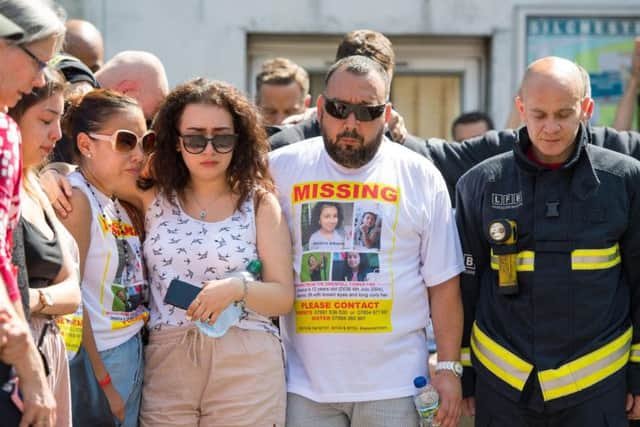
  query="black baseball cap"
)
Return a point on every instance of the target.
[
  {"x": 9, "y": 30},
  {"x": 74, "y": 70}
]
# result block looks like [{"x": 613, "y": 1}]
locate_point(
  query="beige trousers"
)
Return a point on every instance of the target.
[
  {"x": 194, "y": 380},
  {"x": 55, "y": 352}
]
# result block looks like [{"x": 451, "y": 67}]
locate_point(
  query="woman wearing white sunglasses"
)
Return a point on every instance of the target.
[{"x": 111, "y": 143}]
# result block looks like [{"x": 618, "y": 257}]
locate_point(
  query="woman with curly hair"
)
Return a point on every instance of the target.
[{"x": 211, "y": 211}]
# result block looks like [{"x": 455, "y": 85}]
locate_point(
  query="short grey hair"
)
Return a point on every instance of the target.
[
  {"x": 39, "y": 19},
  {"x": 360, "y": 66}
]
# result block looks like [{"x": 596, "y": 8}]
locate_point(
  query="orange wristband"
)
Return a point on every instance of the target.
[{"x": 105, "y": 381}]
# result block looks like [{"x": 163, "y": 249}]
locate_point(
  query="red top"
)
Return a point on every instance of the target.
[
  {"x": 552, "y": 166},
  {"x": 10, "y": 178}
]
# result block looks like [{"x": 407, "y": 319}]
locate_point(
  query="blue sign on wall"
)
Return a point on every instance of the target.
[{"x": 602, "y": 45}]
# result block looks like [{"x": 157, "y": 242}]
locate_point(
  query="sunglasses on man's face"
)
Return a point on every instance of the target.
[
  {"x": 341, "y": 110},
  {"x": 196, "y": 144},
  {"x": 124, "y": 140}
]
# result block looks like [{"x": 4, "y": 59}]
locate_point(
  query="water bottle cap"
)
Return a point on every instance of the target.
[
  {"x": 255, "y": 267},
  {"x": 420, "y": 382}
]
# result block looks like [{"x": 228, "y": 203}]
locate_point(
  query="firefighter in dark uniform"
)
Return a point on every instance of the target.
[{"x": 551, "y": 235}]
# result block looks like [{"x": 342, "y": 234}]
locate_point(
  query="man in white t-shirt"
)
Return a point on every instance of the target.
[{"x": 355, "y": 343}]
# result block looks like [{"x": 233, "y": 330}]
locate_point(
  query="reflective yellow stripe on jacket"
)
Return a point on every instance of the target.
[
  {"x": 635, "y": 353},
  {"x": 587, "y": 370},
  {"x": 595, "y": 259},
  {"x": 524, "y": 262},
  {"x": 500, "y": 361},
  {"x": 569, "y": 378},
  {"x": 581, "y": 259},
  {"x": 465, "y": 356}
]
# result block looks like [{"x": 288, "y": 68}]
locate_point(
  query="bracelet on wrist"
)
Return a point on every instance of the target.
[
  {"x": 245, "y": 290},
  {"x": 105, "y": 381}
]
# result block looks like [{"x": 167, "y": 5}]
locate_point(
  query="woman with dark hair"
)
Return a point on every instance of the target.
[
  {"x": 30, "y": 34},
  {"x": 326, "y": 218},
  {"x": 211, "y": 211},
  {"x": 111, "y": 142},
  {"x": 368, "y": 231},
  {"x": 50, "y": 252},
  {"x": 316, "y": 267},
  {"x": 354, "y": 268}
]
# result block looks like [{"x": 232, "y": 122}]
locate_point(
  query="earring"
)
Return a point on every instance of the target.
[{"x": 88, "y": 155}]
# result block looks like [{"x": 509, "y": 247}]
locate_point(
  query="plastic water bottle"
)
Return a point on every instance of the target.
[
  {"x": 427, "y": 401},
  {"x": 231, "y": 315}
]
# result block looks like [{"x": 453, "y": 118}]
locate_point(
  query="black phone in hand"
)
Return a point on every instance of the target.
[{"x": 181, "y": 294}]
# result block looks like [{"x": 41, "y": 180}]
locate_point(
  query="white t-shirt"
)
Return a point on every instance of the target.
[
  {"x": 360, "y": 340},
  {"x": 114, "y": 289}
]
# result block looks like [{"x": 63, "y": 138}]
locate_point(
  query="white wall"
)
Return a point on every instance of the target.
[{"x": 208, "y": 37}]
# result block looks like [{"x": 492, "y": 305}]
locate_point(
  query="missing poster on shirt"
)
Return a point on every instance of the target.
[
  {"x": 70, "y": 326},
  {"x": 123, "y": 299},
  {"x": 342, "y": 286}
]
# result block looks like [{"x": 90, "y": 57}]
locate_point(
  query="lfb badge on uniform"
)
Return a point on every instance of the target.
[
  {"x": 503, "y": 235},
  {"x": 506, "y": 200},
  {"x": 469, "y": 264}
]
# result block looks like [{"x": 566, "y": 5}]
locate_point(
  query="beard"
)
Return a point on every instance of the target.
[{"x": 352, "y": 156}]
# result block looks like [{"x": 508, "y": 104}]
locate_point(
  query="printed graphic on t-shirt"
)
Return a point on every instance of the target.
[
  {"x": 354, "y": 266},
  {"x": 342, "y": 287},
  {"x": 367, "y": 226},
  {"x": 316, "y": 267},
  {"x": 70, "y": 326},
  {"x": 127, "y": 292},
  {"x": 326, "y": 225},
  {"x": 126, "y": 298}
]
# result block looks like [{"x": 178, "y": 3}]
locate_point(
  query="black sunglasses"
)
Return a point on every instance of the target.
[
  {"x": 363, "y": 113},
  {"x": 39, "y": 62},
  {"x": 196, "y": 144}
]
